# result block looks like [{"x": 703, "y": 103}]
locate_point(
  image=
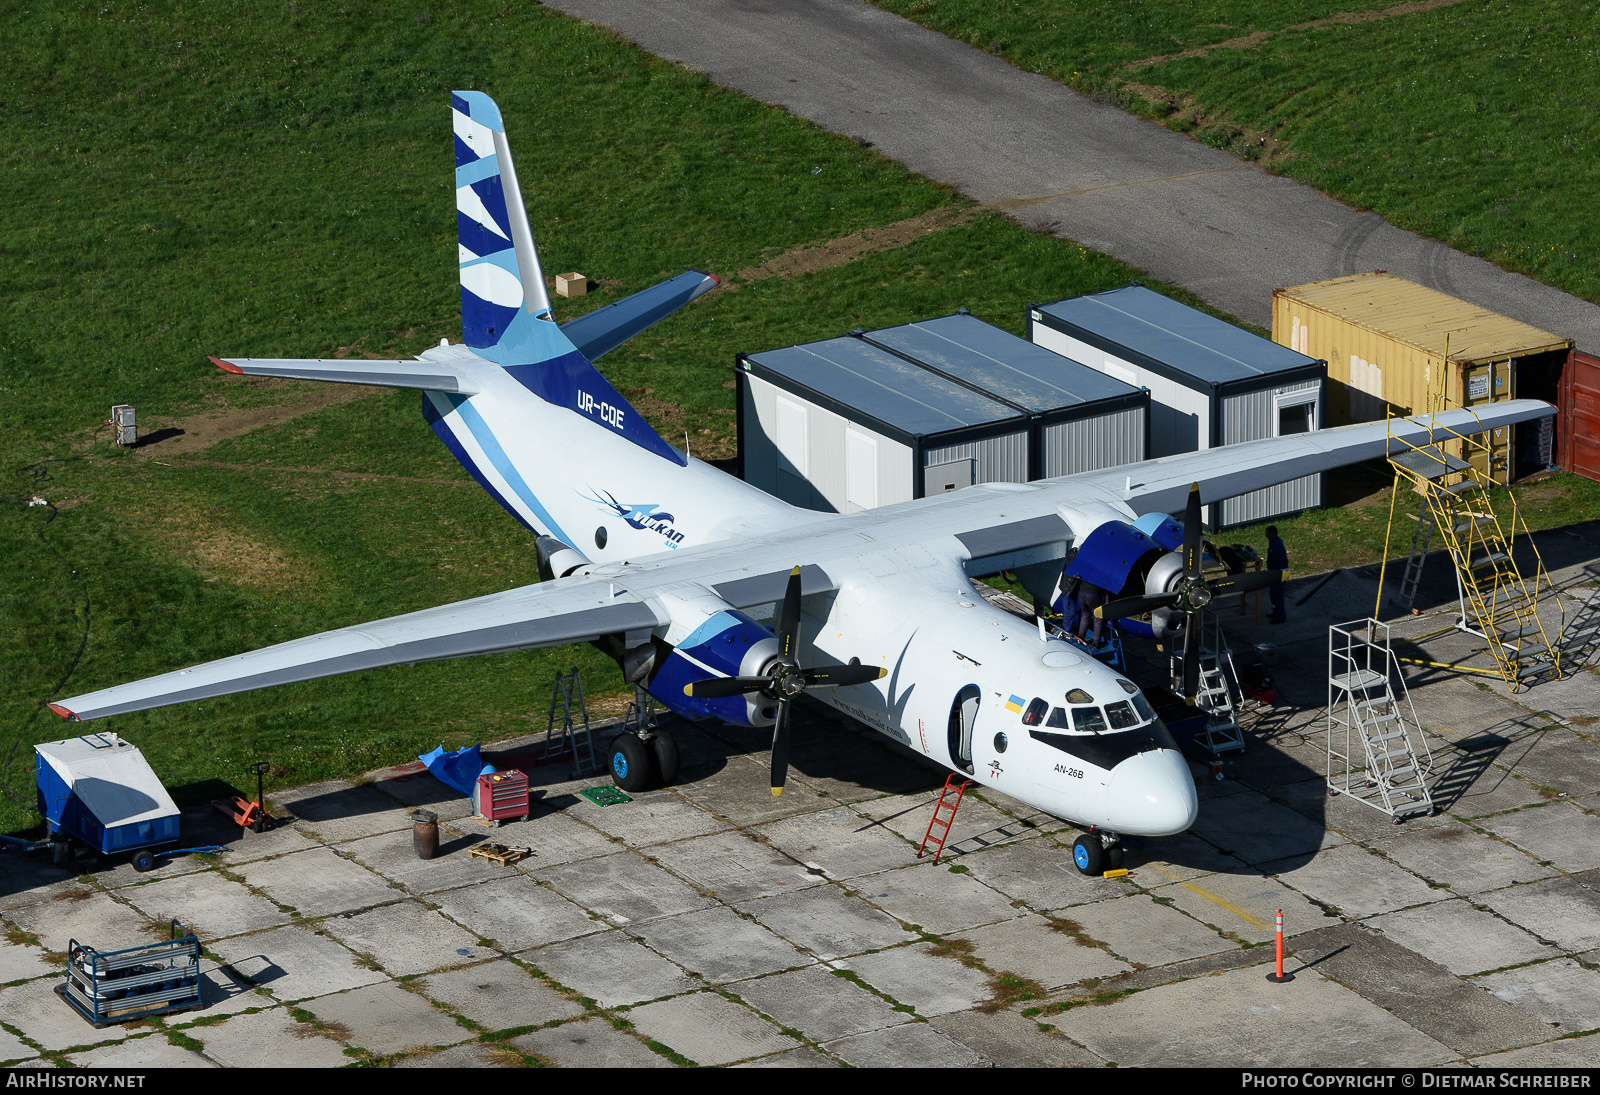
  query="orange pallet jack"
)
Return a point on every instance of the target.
[
  {"x": 941, "y": 820},
  {"x": 247, "y": 814}
]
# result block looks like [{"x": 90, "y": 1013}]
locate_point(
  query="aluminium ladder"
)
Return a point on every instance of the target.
[
  {"x": 1371, "y": 757},
  {"x": 569, "y": 735},
  {"x": 1214, "y": 694}
]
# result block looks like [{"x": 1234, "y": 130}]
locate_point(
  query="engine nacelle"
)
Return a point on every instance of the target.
[
  {"x": 729, "y": 644},
  {"x": 557, "y": 560}
]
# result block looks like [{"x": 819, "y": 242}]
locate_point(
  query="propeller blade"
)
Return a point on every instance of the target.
[
  {"x": 1191, "y": 533},
  {"x": 838, "y": 676},
  {"x": 1134, "y": 606},
  {"x": 1249, "y": 580},
  {"x": 1191, "y": 658},
  {"x": 789, "y": 623},
  {"x": 718, "y": 687},
  {"x": 780, "y": 748}
]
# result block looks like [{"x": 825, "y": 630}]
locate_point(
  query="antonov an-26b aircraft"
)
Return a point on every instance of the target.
[{"x": 669, "y": 564}]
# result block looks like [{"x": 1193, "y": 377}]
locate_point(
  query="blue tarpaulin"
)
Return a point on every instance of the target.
[{"x": 460, "y": 769}]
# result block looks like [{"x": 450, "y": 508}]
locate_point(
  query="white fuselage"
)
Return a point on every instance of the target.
[{"x": 903, "y": 602}]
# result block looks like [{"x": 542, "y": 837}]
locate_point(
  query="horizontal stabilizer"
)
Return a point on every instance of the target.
[
  {"x": 392, "y": 374},
  {"x": 604, "y": 329},
  {"x": 549, "y": 614}
]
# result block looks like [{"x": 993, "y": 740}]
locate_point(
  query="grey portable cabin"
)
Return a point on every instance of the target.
[
  {"x": 1081, "y": 419},
  {"x": 1211, "y": 383},
  {"x": 845, "y": 425}
]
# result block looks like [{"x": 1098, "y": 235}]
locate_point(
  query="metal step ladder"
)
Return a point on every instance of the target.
[
  {"x": 570, "y": 736},
  {"x": 1421, "y": 537},
  {"x": 1497, "y": 603},
  {"x": 944, "y": 815},
  {"x": 1372, "y": 725},
  {"x": 1215, "y": 693}
]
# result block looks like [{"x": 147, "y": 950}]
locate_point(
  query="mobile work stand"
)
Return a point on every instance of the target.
[
  {"x": 1371, "y": 757},
  {"x": 1214, "y": 695},
  {"x": 1499, "y": 604}
]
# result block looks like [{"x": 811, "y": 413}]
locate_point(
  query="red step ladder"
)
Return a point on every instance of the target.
[{"x": 941, "y": 820}]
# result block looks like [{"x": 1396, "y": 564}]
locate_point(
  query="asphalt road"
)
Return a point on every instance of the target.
[{"x": 1188, "y": 214}]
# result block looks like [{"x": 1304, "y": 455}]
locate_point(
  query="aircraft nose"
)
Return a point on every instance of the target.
[{"x": 1152, "y": 794}]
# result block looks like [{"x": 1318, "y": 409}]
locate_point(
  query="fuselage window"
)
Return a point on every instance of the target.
[
  {"x": 1088, "y": 720},
  {"x": 1121, "y": 715},
  {"x": 1034, "y": 715}
]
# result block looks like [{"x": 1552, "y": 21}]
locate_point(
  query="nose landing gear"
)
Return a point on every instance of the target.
[{"x": 1096, "y": 852}]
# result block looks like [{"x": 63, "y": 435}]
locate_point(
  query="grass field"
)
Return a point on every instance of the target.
[
  {"x": 1474, "y": 122},
  {"x": 226, "y": 179},
  {"x": 231, "y": 179}
]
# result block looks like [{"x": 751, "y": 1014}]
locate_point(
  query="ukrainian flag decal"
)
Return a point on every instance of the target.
[{"x": 1014, "y": 704}]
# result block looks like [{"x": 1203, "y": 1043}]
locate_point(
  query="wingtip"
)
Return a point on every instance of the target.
[
  {"x": 225, "y": 366},
  {"x": 70, "y": 716}
]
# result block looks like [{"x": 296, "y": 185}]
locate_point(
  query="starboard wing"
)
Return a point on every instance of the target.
[{"x": 1162, "y": 485}]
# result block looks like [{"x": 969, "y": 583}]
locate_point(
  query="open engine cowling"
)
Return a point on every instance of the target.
[{"x": 1126, "y": 559}]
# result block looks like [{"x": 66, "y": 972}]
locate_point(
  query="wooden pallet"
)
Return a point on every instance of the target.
[{"x": 499, "y": 854}]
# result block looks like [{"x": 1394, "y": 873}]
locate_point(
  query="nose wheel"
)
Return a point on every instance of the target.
[{"x": 1096, "y": 852}]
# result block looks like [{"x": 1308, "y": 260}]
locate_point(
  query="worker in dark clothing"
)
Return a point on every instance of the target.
[
  {"x": 1091, "y": 597},
  {"x": 1277, "y": 559}
]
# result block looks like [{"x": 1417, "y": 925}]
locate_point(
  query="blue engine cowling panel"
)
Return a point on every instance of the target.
[
  {"x": 729, "y": 644},
  {"x": 1111, "y": 555}
]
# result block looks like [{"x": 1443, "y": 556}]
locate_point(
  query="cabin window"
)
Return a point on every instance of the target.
[{"x": 1034, "y": 715}]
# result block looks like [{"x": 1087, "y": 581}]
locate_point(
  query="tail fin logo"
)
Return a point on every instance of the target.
[{"x": 640, "y": 516}]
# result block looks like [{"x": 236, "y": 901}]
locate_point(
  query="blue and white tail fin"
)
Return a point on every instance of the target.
[{"x": 505, "y": 308}]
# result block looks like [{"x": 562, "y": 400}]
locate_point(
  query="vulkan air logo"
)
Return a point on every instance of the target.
[{"x": 640, "y": 516}]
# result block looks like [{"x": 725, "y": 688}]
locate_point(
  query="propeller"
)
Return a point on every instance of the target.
[
  {"x": 1190, "y": 595},
  {"x": 784, "y": 680}
]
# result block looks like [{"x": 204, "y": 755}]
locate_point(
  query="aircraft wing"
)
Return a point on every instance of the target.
[
  {"x": 427, "y": 375},
  {"x": 604, "y": 329},
  {"x": 548, "y": 614},
  {"x": 1162, "y": 485}
]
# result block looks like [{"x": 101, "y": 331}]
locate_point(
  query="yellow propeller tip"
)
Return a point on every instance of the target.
[{"x": 776, "y": 791}]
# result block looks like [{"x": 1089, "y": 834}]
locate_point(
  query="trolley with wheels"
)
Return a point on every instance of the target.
[
  {"x": 120, "y": 986},
  {"x": 99, "y": 790}
]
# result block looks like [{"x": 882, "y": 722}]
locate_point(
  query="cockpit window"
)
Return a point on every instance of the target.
[
  {"x": 1058, "y": 718},
  {"x": 1121, "y": 715},
  {"x": 1088, "y": 720},
  {"x": 1078, "y": 695},
  {"x": 1128, "y": 686},
  {"x": 1034, "y": 715},
  {"x": 1146, "y": 712}
]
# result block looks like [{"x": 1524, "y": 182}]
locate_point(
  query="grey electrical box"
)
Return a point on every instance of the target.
[{"x": 123, "y": 425}]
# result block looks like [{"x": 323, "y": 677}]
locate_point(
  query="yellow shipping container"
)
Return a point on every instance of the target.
[{"x": 1396, "y": 347}]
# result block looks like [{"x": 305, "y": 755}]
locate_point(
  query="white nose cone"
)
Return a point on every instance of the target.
[{"x": 1151, "y": 794}]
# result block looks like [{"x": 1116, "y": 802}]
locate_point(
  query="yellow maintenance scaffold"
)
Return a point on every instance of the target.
[{"x": 1453, "y": 474}]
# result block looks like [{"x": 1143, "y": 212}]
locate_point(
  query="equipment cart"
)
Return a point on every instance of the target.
[
  {"x": 99, "y": 789},
  {"x": 119, "y": 986}
]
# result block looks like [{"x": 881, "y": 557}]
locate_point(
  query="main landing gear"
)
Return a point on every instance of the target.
[
  {"x": 1096, "y": 852},
  {"x": 641, "y": 760}
]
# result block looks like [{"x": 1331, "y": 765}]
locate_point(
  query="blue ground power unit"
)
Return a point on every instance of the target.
[{"x": 99, "y": 789}]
